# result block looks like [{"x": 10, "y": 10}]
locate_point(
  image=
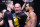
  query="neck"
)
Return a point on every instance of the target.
[
  {"x": 8, "y": 9},
  {"x": 31, "y": 10},
  {"x": 20, "y": 11}
]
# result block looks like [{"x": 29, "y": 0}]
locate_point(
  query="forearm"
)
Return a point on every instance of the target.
[
  {"x": 10, "y": 23},
  {"x": 23, "y": 5}
]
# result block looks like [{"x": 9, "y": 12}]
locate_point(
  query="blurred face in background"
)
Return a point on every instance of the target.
[
  {"x": 27, "y": 6},
  {"x": 10, "y": 5},
  {"x": 17, "y": 8}
]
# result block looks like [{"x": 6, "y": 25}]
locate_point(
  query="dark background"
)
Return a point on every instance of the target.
[
  {"x": 36, "y": 7},
  {"x": 37, "y": 10}
]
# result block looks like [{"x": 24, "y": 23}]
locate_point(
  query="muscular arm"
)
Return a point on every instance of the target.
[
  {"x": 33, "y": 20},
  {"x": 24, "y": 5}
]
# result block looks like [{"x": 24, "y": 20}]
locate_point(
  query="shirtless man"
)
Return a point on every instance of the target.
[{"x": 31, "y": 19}]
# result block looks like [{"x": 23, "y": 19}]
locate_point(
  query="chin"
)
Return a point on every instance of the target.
[{"x": 17, "y": 12}]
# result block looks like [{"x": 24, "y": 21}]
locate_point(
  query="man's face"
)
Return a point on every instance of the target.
[
  {"x": 17, "y": 8},
  {"x": 27, "y": 6},
  {"x": 11, "y": 6}
]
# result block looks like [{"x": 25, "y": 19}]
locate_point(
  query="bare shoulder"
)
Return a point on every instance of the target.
[{"x": 32, "y": 14}]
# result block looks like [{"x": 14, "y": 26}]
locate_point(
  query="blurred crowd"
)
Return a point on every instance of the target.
[{"x": 17, "y": 16}]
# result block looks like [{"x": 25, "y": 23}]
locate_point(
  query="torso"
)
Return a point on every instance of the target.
[
  {"x": 19, "y": 20},
  {"x": 28, "y": 20}
]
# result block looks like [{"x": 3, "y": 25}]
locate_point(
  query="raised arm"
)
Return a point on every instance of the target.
[{"x": 24, "y": 5}]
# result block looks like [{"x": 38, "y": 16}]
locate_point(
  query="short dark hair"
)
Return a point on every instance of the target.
[{"x": 31, "y": 4}]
